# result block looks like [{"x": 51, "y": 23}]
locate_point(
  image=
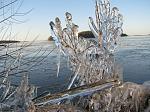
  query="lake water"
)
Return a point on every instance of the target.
[{"x": 133, "y": 54}]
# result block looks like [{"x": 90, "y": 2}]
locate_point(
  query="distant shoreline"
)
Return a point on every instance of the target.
[
  {"x": 89, "y": 34},
  {"x": 8, "y": 41},
  {"x": 141, "y": 35}
]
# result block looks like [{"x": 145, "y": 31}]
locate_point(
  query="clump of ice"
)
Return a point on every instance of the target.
[
  {"x": 108, "y": 27},
  {"x": 93, "y": 62},
  {"x": 23, "y": 97}
]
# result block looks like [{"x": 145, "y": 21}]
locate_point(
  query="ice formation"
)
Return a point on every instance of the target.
[
  {"x": 18, "y": 99},
  {"x": 93, "y": 62},
  {"x": 23, "y": 97},
  {"x": 108, "y": 25},
  {"x": 96, "y": 85}
]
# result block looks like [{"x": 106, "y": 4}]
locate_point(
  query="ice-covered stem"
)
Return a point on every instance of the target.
[
  {"x": 97, "y": 11},
  {"x": 68, "y": 36},
  {"x": 78, "y": 91},
  {"x": 4, "y": 87},
  {"x": 108, "y": 25},
  {"x": 95, "y": 61},
  {"x": 74, "y": 77},
  {"x": 65, "y": 39},
  {"x": 23, "y": 97}
]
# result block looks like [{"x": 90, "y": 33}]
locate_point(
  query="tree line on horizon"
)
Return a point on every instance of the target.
[{"x": 85, "y": 34}]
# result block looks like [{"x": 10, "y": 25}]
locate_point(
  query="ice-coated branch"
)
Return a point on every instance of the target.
[
  {"x": 23, "y": 97},
  {"x": 108, "y": 26},
  {"x": 94, "y": 59},
  {"x": 78, "y": 91}
]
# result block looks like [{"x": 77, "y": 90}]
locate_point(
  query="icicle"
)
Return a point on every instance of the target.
[
  {"x": 58, "y": 64},
  {"x": 93, "y": 28},
  {"x": 74, "y": 77}
]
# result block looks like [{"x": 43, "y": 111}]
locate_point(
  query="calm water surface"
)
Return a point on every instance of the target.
[{"x": 134, "y": 56}]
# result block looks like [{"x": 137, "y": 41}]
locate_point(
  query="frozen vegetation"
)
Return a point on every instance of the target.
[{"x": 97, "y": 84}]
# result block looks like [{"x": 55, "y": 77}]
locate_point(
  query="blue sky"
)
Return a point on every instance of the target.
[{"x": 136, "y": 15}]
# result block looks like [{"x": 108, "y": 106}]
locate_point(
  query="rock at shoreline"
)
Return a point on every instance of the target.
[
  {"x": 123, "y": 35},
  {"x": 50, "y": 38},
  {"x": 86, "y": 34}
]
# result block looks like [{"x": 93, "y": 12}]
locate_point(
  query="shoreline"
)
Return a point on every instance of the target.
[{"x": 8, "y": 41}]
